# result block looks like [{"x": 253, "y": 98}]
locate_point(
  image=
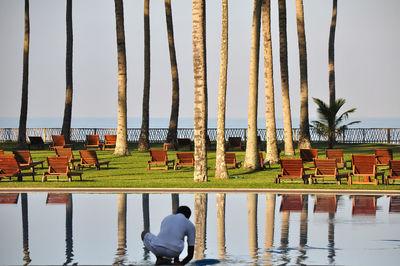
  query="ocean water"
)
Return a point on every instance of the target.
[{"x": 135, "y": 122}]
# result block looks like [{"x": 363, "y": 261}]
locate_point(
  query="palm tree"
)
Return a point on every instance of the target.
[
  {"x": 220, "y": 166},
  {"x": 272, "y": 143},
  {"x": 331, "y": 55},
  {"x": 200, "y": 222},
  {"x": 221, "y": 202},
  {"x": 200, "y": 89},
  {"x": 304, "y": 136},
  {"x": 252, "y": 224},
  {"x": 173, "y": 120},
  {"x": 121, "y": 250},
  {"x": 251, "y": 159},
  {"x": 66, "y": 126},
  {"x": 121, "y": 147},
  {"x": 287, "y": 119},
  {"x": 329, "y": 124},
  {"x": 144, "y": 132},
  {"x": 25, "y": 72}
]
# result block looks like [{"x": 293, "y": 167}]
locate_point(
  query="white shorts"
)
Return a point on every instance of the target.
[{"x": 159, "y": 251}]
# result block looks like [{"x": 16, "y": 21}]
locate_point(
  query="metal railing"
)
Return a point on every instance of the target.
[{"x": 158, "y": 135}]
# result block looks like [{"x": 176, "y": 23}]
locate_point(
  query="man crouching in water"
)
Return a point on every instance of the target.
[{"x": 169, "y": 243}]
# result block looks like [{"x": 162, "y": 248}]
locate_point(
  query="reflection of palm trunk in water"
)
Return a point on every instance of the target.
[
  {"x": 25, "y": 235},
  {"x": 175, "y": 202},
  {"x": 331, "y": 238},
  {"x": 200, "y": 211},
  {"x": 285, "y": 235},
  {"x": 68, "y": 230},
  {"x": 121, "y": 251},
  {"x": 269, "y": 225},
  {"x": 146, "y": 221},
  {"x": 303, "y": 229},
  {"x": 221, "y": 198},
  {"x": 252, "y": 224}
]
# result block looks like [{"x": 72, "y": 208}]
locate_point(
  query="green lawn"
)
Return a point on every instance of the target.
[{"x": 131, "y": 172}]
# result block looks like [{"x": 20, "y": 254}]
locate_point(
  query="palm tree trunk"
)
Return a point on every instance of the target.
[
  {"x": 68, "y": 230},
  {"x": 252, "y": 225},
  {"x": 25, "y": 228},
  {"x": 66, "y": 126},
  {"x": 251, "y": 159},
  {"x": 221, "y": 202},
  {"x": 173, "y": 120},
  {"x": 200, "y": 222},
  {"x": 287, "y": 119},
  {"x": 144, "y": 132},
  {"x": 25, "y": 73},
  {"x": 200, "y": 89},
  {"x": 272, "y": 143},
  {"x": 220, "y": 166},
  {"x": 331, "y": 55},
  {"x": 121, "y": 147},
  {"x": 121, "y": 250}
]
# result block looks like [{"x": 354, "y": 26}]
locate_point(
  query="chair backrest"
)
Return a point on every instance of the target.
[
  {"x": 235, "y": 142},
  {"x": 110, "y": 139},
  {"x": 35, "y": 140},
  {"x": 335, "y": 154},
  {"x": 65, "y": 152},
  {"x": 394, "y": 167},
  {"x": 23, "y": 157},
  {"x": 364, "y": 205},
  {"x": 92, "y": 140},
  {"x": 58, "y": 140},
  {"x": 1, "y": 152},
  {"x": 383, "y": 156},
  {"x": 325, "y": 166},
  {"x": 88, "y": 156},
  {"x": 261, "y": 157},
  {"x": 58, "y": 164},
  {"x": 8, "y": 164},
  {"x": 363, "y": 164},
  {"x": 230, "y": 158},
  {"x": 291, "y": 166},
  {"x": 184, "y": 141},
  {"x": 158, "y": 156},
  {"x": 292, "y": 203},
  {"x": 308, "y": 155},
  {"x": 185, "y": 157}
]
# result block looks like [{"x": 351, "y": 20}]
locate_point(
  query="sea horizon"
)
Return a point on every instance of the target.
[{"x": 184, "y": 122}]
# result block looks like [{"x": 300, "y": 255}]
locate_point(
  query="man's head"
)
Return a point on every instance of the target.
[{"x": 185, "y": 210}]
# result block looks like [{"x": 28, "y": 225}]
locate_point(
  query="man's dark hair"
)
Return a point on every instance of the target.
[{"x": 185, "y": 210}]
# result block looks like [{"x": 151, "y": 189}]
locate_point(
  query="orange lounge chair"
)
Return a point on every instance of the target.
[
  {"x": 383, "y": 156},
  {"x": 291, "y": 203},
  {"x": 262, "y": 161},
  {"x": 58, "y": 166},
  {"x": 25, "y": 161},
  {"x": 185, "y": 142},
  {"x": 159, "y": 157},
  {"x": 291, "y": 169},
  {"x": 327, "y": 169},
  {"x": 308, "y": 156},
  {"x": 109, "y": 142},
  {"x": 36, "y": 142},
  {"x": 1, "y": 152},
  {"x": 59, "y": 142},
  {"x": 235, "y": 143},
  {"x": 9, "y": 167},
  {"x": 67, "y": 152},
  {"x": 364, "y": 167},
  {"x": 325, "y": 203},
  {"x": 92, "y": 141},
  {"x": 89, "y": 158},
  {"x": 230, "y": 160},
  {"x": 184, "y": 158},
  {"x": 394, "y": 168},
  {"x": 338, "y": 155},
  {"x": 364, "y": 205}
]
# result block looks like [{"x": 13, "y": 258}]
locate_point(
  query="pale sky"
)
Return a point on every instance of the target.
[{"x": 367, "y": 57}]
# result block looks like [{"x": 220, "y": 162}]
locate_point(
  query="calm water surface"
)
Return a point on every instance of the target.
[{"x": 241, "y": 229}]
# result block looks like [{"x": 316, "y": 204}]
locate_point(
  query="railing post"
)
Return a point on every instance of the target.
[
  {"x": 44, "y": 134},
  {"x": 388, "y": 135},
  {"x": 245, "y": 135}
]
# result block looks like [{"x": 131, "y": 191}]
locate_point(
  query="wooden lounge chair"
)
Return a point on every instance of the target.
[
  {"x": 262, "y": 161},
  {"x": 291, "y": 169},
  {"x": 235, "y": 143},
  {"x": 9, "y": 167},
  {"x": 109, "y": 142},
  {"x": 338, "y": 155},
  {"x": 58, "y": 166},
  {"x": 308, "y": 156},
  {"x": 291, "y": 203},
  {"x": 67, "y": 152},
  {"x": 9, "y": 198},
  {"x": 394, "y": 205},
  {"x": 57, "y": 198},
  {"x": 326, "y": 169},
  {"x": 59, "y": 142},
  {"x": 364, "y": 167},
  {"x": 35, "y": 141},
  {"x": 185, "y": 143},
  {"x": 184, "y": 158},
  {"x": 159, "y": 157},
  {"x": 230, "y": 160},
  {"x": 92, "y": 141},
  {"x": 383, "y": 156},
  {"x": 25, "y": 161},
  {"x": 325, "y": 203},
  {"x": 364, "y": 205},
  {"x": 89, "y": 158},
  {"x": 394, "y": 168},
  {"x": 1, "y": 152}
]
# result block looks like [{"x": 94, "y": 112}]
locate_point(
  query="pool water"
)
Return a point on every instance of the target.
[{"x": 235, "y": 228}]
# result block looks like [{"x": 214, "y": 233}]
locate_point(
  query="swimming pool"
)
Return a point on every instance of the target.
[{"x": 236, "y": 228}]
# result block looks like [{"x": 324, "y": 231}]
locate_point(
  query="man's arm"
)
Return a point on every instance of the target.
[{"x": 189, "y": 255}]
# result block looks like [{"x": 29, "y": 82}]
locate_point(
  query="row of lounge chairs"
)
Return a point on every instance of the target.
[{"x": 92, "y": 141}]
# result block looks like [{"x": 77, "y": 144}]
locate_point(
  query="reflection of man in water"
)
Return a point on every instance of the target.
[{"x": 169, "y": 243}]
